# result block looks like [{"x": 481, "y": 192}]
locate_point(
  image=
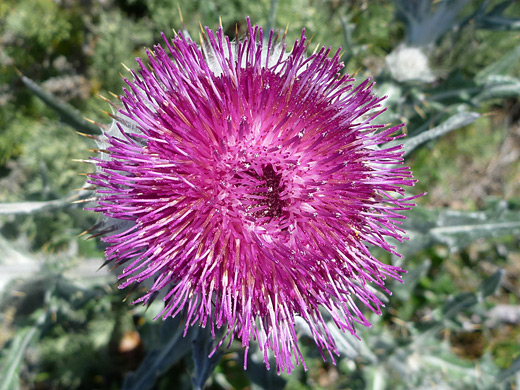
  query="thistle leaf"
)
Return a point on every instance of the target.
[
  {"x": 67, "y": 113},
  {"x": 457, "y": 229},
  {"x": 203, "y": 345},
  {"x": 510, "y": 371},
  {"x": 459, "y": 303},
  {"x": 503, "y": 66},
  {"x": 410, "y": 280},
  {"x": 495, "y": 19},
  {"x": 376, "y": 378},
  {"x": 427, "y": 23},
  {"x": 452, "y": 123},
  {"x": 490, "y": 285},
  {"x": 25, "y": 208},
  {"x": 260, "y": 377},
  {"x": 498, "y": 87},
  {"x": 271, "y": 17},
  {"x": 13, "y": 356},
  {"x": 171, "y": 348}
]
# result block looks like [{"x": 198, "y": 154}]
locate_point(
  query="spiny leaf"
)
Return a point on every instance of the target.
[
  {"x": 411, "y": 279},
  {"x": 498, "y": 87},
  {"x": 24, "y": 208},
  {"x": 457, "y": 229},
  {"x": 376, "y": 378},
  {"x": 260, "y": 377},
  {"x": 459, "y": 303},
  {"x": 452, "y": 123},
  {"x": 67, "y": 113},
  {"x": 271, "y": 17}
]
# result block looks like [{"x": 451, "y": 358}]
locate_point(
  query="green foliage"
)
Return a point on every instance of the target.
[
  {"x": 67, "y": 114},
  {"x": 40, "y": 21},
  {"x": 172, "y": 347},
  {"x": 120, "y": 39},
  {"x": 12, "y": 139},
  {"x": 53, "y": 173},
  {"x": 43, "y": 29},
  {"x": 12, "y": 357},
  {"x": 457, "y": 229},
  {"x": 64, "y": 335}
]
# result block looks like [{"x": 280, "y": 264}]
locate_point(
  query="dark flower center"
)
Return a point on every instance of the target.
[{"x": 270, "y": 187}]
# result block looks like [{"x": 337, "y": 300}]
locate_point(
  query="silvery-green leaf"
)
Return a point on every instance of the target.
[
  {"x": 449, "y": 365},
  {"x": 12, "y": 356},
  {"x": 495, "y": 19},
  {"x": 467, "y": 300},
  {"x": 376, "y": 378},
  {"x": 513, "y": 369},
  {"x": 459, "y": 303},
  {"x": 271, "y": 17},
  {"x": 454, "y": 122},
  {"x": 261, "y": 378},
  {"x": 68, "y": 114},
  {"x": 350, "y": 46},
  {"x": 203, "y": 344},
  {"x": 350, "y": 346},
  {"x": 503, "y": 66},
  {"x": 24, "y": 208},
  {"x": 15, "y": 263},
  {"x": 171, "y": 348},
  {"x": 490, "y": 285},
  {"x": 427, "y": 22},
  {"x": 456, "y": 229},
  {"x": 498, "y": 87},
  {"x": 410, "y": 280}
]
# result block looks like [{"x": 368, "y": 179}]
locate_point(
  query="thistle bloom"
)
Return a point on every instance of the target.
[{"x": 244, "y": 184}]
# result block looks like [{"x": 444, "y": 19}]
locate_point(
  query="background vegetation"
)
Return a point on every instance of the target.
[{"x": 453, "y": 324}]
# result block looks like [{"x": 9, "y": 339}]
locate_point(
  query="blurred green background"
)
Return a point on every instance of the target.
[{"x": 453, "y": 324}]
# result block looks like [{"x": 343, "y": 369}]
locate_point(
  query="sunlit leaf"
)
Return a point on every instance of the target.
[
  {"x": 498, "y": 87},
  {"x": 14, "y": 208}
]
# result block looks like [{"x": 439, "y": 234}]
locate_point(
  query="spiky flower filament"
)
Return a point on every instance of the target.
[{"x": 254, "y": 183}]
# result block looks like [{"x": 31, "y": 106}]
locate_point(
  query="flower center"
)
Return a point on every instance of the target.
[
  {"x": 269, "y": 203},
  {"x": 255, "y": 190}
]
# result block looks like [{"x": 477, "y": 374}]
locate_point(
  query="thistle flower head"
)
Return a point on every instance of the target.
[{"x": 250, "y": 182}]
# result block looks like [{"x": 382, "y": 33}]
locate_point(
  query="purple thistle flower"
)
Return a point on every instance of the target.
[{"x": 244, "y": 183}]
